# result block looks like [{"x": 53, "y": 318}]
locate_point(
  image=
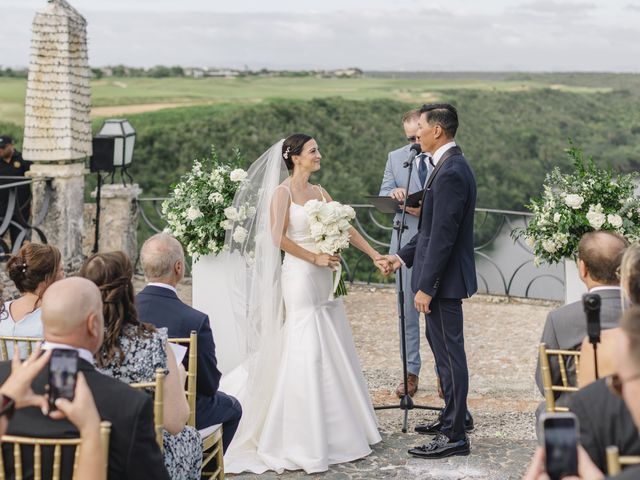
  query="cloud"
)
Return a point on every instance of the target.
[{"x": 539, "y": 35}]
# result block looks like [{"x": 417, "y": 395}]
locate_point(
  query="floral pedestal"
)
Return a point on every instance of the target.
[
  {"x": 211, "y": 293},
  {"x": 574, "y": 288}
]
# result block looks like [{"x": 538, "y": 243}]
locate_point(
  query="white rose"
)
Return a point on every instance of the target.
[
  {"x": 574, "y": 201},
  {"x": 239, "y": 235},
  {"x": 226, "y": 224},
  {"x": 313, "y": 207},
  {"x": 231, "y": 213},
  {"x": 193, "y": 213},
  {"x": 556, "y": 217},
  {"x": 316, "y": 230},
  {"x": 530, "y": 241},
  {"x": 328, "y": 213},
  {"x": 595, "y": 216},
  {"x": 216, "y": 197},
  {"x": 549, "y": 246},
  {"x": 238, "y": 175},
  {"x": 614, "y": 220}
]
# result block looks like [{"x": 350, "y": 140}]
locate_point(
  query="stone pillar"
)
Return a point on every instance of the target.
[
  {"x": 63, "y": 223},
  {"x": 57, "y": 124},
  {"x": 118, "y": 219}
]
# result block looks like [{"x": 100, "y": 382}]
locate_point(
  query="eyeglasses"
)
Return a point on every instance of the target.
[{"x": 615, "y": 383}]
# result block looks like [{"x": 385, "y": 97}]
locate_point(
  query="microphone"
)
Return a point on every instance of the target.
[
  {"x": 591, "y": 303},
  {"x": 413, "y": 153}
]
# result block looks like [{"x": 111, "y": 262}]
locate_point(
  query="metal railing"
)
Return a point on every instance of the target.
[
  {"x": 504, "y": 266},
  {"x": 17, "y": 221}
]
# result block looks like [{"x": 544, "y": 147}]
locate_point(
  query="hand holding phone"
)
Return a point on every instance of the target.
[
  {"x": 560, "y": 432},
  {"x": 63, "y": 373}
]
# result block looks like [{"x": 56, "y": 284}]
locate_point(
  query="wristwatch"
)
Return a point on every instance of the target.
[{"x": 7, "y": 406}]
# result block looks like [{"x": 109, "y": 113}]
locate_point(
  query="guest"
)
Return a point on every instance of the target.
[
  {"x": 33, "y": 269},
  {"x": 604, "y": 418},
  {"x": 72, "y": 319},
  {"x": 132, "y": 351},
  {"x": 13, "y": 165},
  {"x": 623, "y": 383},
  {"x": 162, "y": 260},
  {"x": 599, "y": 255}
]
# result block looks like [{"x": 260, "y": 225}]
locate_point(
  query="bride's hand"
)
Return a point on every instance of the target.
[{"x": 326, "y": 260}]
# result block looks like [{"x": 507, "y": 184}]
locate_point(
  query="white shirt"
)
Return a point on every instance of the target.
[
  {"x": 83, "y": 353},
  {"x": 163, "y": 285},
  {"x": 604, "y": 287},
  {"x": 437, "y": 155}
]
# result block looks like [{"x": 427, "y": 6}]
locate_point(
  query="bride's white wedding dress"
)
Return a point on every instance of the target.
[{"x": 319, "y": 412}]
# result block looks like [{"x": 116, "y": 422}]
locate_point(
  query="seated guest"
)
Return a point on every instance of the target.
[
  {"x": 162, "y": 260},
  {"x": 625, "y": 383},
  {"x": 81, "y": 412},
  {"x": 132, "y": 351},
  {"x": 32, "y": 270},
  {"x": 599, "y": 255},
  {"x": 72, "y": 319}
]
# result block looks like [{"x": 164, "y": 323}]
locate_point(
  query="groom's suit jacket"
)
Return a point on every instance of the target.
[
  {"x": 395, "y": 176},
  {"x": 441, "y": 253}
]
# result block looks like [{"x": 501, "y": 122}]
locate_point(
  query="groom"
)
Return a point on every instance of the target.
[{"x": 444, "y": 272}]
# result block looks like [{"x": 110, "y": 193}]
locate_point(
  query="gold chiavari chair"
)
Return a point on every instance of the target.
[
  {"x": 57, "y": 444},
  {"x": 158, "y": 402},
  {"x": 549, "y": 388},
  {"x": 7, "y": 344},
  {"x": 615, "y": 462},
  {"x": 211, "y": 436}
]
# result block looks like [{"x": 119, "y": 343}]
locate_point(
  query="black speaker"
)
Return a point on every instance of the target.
[{"x": 102, "y": 158}]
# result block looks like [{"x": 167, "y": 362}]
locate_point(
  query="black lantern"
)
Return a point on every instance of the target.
[{"x": 112, "y": 149}]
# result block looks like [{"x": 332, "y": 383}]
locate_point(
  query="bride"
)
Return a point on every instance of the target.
[{"x": 304, "y": 398}]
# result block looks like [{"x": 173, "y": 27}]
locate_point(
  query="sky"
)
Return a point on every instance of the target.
[{"x": 392, "y": 35}]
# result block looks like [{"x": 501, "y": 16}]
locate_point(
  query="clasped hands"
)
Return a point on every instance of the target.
[{"x": 388, "y": 264}]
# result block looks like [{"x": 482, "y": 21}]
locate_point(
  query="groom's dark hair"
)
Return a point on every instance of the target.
[
  {"x": 444, "y": 114},
  {"x": 293, "y": 145}
]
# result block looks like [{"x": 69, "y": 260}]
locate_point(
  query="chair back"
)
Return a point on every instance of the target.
[
  {"x": 158, "y": 402},
  {"x": 7, "y": 344},
  {"x": 549, "y": 388},
  {"x": 615, "y": 462},
  {"x": 57, "y": 444},
  {"x": 191, "y": 343}
]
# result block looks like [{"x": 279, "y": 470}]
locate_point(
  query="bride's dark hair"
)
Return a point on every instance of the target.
[{"x": 293, "y": 145}]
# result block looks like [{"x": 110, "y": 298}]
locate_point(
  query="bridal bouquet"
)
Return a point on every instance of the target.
[
  {"x": 572, "y": 204},
  {"x": 197, "y": 206},
  {"x": 329, "y": 224}
]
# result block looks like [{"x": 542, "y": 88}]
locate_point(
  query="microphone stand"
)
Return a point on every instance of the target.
[{"x": 406, "y": 402}]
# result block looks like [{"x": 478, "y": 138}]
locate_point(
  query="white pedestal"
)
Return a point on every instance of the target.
[
  {"x": 212, "y": 291},
  {"x": 574, "y": 288}
]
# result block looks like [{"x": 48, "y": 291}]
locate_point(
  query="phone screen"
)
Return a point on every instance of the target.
[
  {"x": 561, "y": 446},
  {"x": 63, "y": 371}
]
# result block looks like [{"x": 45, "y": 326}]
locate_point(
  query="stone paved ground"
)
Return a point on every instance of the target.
[{"x": 501, "y": 340}]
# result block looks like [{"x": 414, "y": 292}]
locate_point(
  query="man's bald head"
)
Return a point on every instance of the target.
[
  {"x": 159, "y": 256},
  {"x": 72, "y": 313},
  {"x": 601, "y": 251}
]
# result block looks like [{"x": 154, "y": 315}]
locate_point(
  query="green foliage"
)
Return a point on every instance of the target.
[{"x": 584, "y": 200}]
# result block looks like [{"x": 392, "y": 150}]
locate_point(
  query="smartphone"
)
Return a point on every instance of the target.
[
  {"x": 63, "y": 372},
  {"x": 560, "y": 433}
]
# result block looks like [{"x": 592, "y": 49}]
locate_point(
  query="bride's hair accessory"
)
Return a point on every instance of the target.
[{"x": 285, "y": 155}]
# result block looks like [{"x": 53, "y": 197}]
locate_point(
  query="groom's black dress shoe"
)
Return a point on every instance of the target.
[
  {"x": 441, "y": 447},
  {"x": 434, "y": 428}
]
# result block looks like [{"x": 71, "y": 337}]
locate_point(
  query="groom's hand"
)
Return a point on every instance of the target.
[
  {"x": 381, "y": 262},
  {"x": 422, "y": 302},
  {"x": 393, "y": 263}
]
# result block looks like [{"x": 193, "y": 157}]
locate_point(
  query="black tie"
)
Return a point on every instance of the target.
[{"x": 422, "y": 169}]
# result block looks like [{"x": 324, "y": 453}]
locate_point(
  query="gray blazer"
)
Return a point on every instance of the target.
[
  {"x": 395, "y": 176},
  {"x": 566, "y": 327}
]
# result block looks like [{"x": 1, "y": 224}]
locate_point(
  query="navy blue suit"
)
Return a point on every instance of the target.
[
  {"x": 442, "y": 257},
  {"x": 162, "y": 308}
]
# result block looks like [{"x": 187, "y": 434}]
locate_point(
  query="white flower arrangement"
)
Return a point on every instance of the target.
[
  {"x": 572, "y": 204},
  {"x": 329, "y": 224},
  {"x": 197, "y": 206}
]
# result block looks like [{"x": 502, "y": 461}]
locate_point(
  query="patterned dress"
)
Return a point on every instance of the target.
[{"x": 182, "y": 452}]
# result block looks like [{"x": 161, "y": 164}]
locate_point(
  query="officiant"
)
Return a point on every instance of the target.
[{"x": 394, "y": 185}]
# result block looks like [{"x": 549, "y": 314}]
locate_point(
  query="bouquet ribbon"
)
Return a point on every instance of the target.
[{"x": 337, "y": 276}]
